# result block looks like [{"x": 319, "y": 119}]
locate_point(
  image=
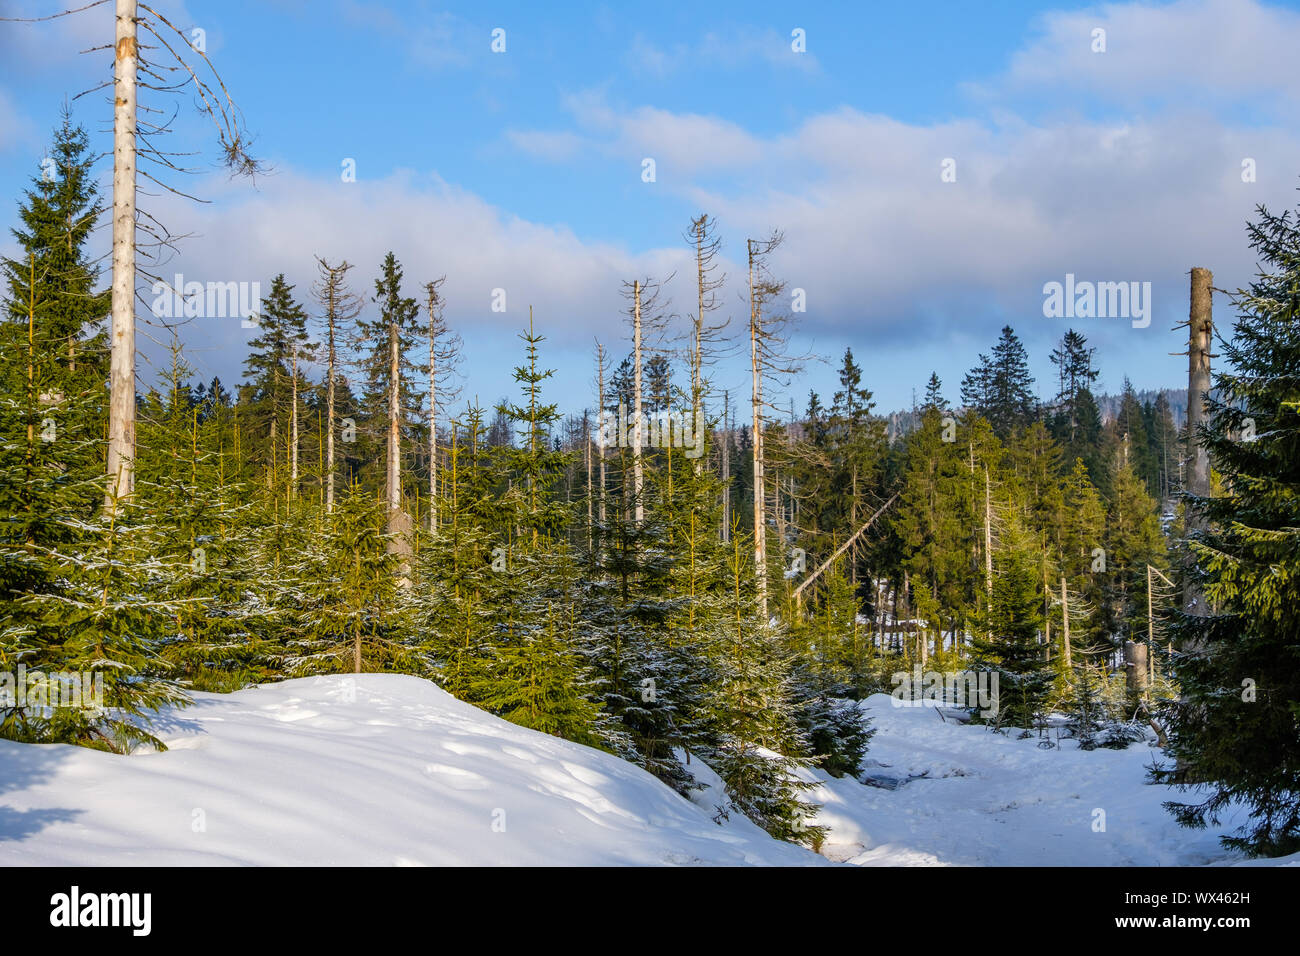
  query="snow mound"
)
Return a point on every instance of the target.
[{"x": 376, "y": 769}]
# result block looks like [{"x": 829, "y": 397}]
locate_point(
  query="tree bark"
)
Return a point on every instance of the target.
[
  {"x": 600, "y": 387},
  {"x": 329, "y": 407},
  {"x": 586, "y": 452},
  {"x": 726, "y": 466},
  {"x": 1135, "y": 669},
  {"x": 760, "y": 516},
  {"x": 638, "y": 477},
  {"x": 121, "y": 409},
  {"x": 394, "y": 470},
  {"x": 1200, "y": 329},
  {"x": 1065, "y": 625},
  {"x": 988, "y": 541},
  {"x": 697, "y": 353},
  {"x": 433, "y": 408},
  {"x": 293, "y": 427}
]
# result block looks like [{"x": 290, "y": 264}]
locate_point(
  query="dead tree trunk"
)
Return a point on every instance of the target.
[
  {"x": 1065, "y": 625},
  {"x": 329, "y": 414},
  {"x": 293, "y": 425},
  {"x": 435, "y": 328},
  {"x": 1200, "y": 327},
  {"x": 393, "y": 487},
  {"x": 433, "y": 415},
  {"x": 638, "y": 476},
  {"x": 1135, "y": 669},
  {"x": 707, "y": 246},
  {"x": 586, "y": 455},
  {"x": 760, "y": 516},
  {"x": 340, "y": 306},
  {"x": 121, "y": 409},
  {"x": 697, "y": 355},
  {"x": 988, "y": 541},
  {"x": 600, "y": 387},
  {"x": 726, "y": 466}
]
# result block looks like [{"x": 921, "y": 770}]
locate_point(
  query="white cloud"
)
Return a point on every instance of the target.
[
  {"x": 1207, "y": 48},
  {"x": 434, "y": 230},
  {"x": 555, "y": 147},
  {"x": 733, "y": 48},
  {"x": 435, "y": 40},
  {"x": 887, "y": 252},
  {"x": 686, "y": 142}
]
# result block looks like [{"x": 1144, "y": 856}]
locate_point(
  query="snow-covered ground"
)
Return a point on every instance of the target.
[
  {"x": 389, "y": 770},
  {"x": 967, "y": 796},
  {"x": 374, "y": 770}
]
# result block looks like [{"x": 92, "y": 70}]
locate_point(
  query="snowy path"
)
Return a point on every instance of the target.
[{"x": 988, "y": 799}]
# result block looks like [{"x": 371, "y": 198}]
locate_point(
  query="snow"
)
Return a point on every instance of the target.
[
  {"x": 978, "y": 798},
  {"x": 376, "y": 769},
  {"x": 382, "y": 769}
]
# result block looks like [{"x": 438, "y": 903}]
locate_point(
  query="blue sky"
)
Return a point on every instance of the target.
[{"x": 522, "y": 170}]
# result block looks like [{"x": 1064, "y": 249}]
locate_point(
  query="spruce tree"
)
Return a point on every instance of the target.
[
  {"x": 269, "y": 368},
  {"x": 1010, "y": 644},
  {"x": 1235, "y": 729},
  {"x": 1133, "y": 540},
  {"x": 757, "y": 745},
  {"x": 1075, "y": 375},
  {"x": 389, "y": 396},
  {"x": 353, "y": 619},
  {"x": 54, "y": 269},
  {"x": 1000, "y": 388},
  {"x": 204, "y": 529}
]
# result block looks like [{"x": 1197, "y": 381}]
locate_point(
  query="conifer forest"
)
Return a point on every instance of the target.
[{"x": 457, "y": 539}]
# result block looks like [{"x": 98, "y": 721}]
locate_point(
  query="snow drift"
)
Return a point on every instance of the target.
[
  {"x": 377, "y": 769},
  {"x": 382, "y": 769}
]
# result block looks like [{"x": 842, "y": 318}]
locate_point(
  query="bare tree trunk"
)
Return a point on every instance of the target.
[
  {"x": 320, "y": 454},
  {"x": 726, "y": 466},
  {"x": 394, "y": 472},
  {"x": 897, "y": 642},
  {"x": 329, "y": 414},
  {"x": 433, "y": 411},
  {"x": 121, "y": 409},
  {"x": 778, "y": 511},
  {"x": 1151, "y": 629},
  {"x": 760, "y": 516},
  {"x": 1047, "y": 609},
  {"x": 1135, "y": 669},
  {"x": 356, "y": 645},
  {"x": 275, "y": 462},
  {"x": 293, "y": 428},
  {"x": 988, "y": 542},
  {"x": 638, "y": 477},
  {"x": 340, "y": 306},
  {"x": 697, "y": 353},
  {"x": 586, "y": 454},
  {"x": 922, "y": 630},
  {"x": 1065, "y": 625},
  {"x": 600, "y": 388},
  {"x": 1200, "y": 329}
]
